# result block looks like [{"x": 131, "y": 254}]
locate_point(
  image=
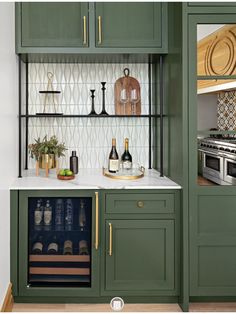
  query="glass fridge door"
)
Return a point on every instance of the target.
[{"x": 59, "y": 241}]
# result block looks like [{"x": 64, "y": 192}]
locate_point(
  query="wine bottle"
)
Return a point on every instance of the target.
[
  {"x": 68, "y": 247},
  {"x": 38, "y": 215},
  {"x": 126, "y": 158},
  {"x": 82, "y": 216},
  {"x": 83, "y": 247},
  {"x": 47, "y": 216},
  {"x": 69, "y": 215},
  {"x": 53, "y": 246},
  {"x": 113, "y": 164},
  {"x": 59, "y": 215},
  {"x": 74, "y": 162},
  {"x": 38, "y": 246}
]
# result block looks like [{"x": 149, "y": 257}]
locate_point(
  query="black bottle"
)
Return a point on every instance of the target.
[{"x": 74, "y": 162}]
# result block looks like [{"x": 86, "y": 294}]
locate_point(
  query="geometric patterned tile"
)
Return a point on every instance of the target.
[{"x": 90, "y": 137}]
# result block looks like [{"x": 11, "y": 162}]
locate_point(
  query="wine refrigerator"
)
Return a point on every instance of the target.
[{"x": 60, "y": 246}]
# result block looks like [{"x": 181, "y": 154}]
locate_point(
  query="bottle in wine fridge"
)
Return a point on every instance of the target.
[
  {"x": 53, "y": 246},
  {"x": 38, "y": 246},
  {"x": 47, "y": 216},
  {"x": 68, "y": 247},
  {"x": 59, "y": 215},
  {"x": 83, "y": 247},
  {"x": 69, "y": 215},
  {"x": 82, "y": 216},
  {"x": 113, "y": 163},
  {"x": 126, "y": 158},
  {"x": 38, "y": 215}
]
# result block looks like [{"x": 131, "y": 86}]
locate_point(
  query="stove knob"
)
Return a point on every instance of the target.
[
  {"x": 227, "y": 149},
  {"x": 221, "y": 148}
]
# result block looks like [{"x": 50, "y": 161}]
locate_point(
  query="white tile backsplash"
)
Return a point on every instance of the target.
[{"x": 90, "y": 137}]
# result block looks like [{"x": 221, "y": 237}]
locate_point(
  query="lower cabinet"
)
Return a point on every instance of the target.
[
  {"x": 213, "y": 244},
  {"x": 140, "y": 256},
  {"x": 84, "y": 244}
]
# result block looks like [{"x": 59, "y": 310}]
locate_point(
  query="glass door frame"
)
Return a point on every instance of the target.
[
  {"x": 193, "y": 21},
  {"x": 27, "y": 290}
]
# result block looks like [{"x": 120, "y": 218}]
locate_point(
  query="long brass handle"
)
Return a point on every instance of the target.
[
  {"x": 99, "y": 30},
  {"x": 85, "y": 30},
  {"x": 96, "y": 220},
  {"x": 110, "y": 239}
]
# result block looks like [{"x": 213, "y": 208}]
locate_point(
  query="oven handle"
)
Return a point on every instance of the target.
[{"x": 216, "y": 154}]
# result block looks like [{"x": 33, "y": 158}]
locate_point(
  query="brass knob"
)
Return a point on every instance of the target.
[{"x": 140, "y": 204}]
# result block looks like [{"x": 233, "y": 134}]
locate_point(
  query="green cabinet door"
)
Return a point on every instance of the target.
[
  {"x": 54, "y": 24},
  {"x": 213, "y": 244},
  {"x": 140, "y": 257},
  {"x": 127, "y": 24},
  {"x": 69, "y": 269}
]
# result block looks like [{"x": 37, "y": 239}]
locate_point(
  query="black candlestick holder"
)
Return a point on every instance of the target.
[
  {"x": 92, "y": 112},
  {"x": 103, "y": 112}
]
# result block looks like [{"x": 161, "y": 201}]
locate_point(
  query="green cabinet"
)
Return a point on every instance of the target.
[
  {"x": 54, "y": 24},
  {"x": 140, "y": 256},
  {"x": 89, "y": 28},
  {"x": 213, "y": 244},
  {"x": 127, "y": 24},
  {"x": 141, "y": 240},
  {"x": 133, "y": 251}
]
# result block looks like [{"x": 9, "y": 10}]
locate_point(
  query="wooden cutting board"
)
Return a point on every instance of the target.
[{"x": 127, "y": 83}]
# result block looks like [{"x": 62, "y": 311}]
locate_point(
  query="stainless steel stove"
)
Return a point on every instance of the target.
[{"x": 219, "y": 159}]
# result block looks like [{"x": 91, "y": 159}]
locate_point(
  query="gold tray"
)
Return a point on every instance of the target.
[{"x": 132, "y": 174}]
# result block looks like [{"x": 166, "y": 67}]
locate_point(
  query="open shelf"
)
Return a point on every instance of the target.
[
  {"x": 206, "y": 132},
  {"x": 88, "y": 116},
  {"x": 49, "y": 92},
  {"x": 216, "y": 77}
]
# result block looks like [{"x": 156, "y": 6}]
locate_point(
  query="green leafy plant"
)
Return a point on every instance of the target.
[{"x": 46, "y": 146}]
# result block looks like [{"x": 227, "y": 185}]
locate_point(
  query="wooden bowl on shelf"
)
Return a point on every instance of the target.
[{"x": 59, "y": 177}]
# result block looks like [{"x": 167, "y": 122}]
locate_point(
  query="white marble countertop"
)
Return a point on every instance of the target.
[{"x": 91, "y": 179}]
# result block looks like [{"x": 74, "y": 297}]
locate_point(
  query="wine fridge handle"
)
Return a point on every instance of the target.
[
  {"x": 110, "y": 239},
  {"x": 96, "y": 220}
]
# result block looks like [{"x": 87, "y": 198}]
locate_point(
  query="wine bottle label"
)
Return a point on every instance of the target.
[
  {"x": 114, "y": 164},
  {"x": 47, "y": 217},
  {"x": 53, "y": 246},
  {"x": 38, "y": 215},
  {"x": 38, "y": 246},
  {"x": 127, "y": 165}
]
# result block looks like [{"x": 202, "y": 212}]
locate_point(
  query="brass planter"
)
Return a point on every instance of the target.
[{"x": 50, "y": 158}]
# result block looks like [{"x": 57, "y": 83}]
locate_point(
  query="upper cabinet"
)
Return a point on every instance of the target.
[
  {"x": 129, "y": 24},
  {"x": 51, "y": 24},
  {"x": 80, "y": 27}
]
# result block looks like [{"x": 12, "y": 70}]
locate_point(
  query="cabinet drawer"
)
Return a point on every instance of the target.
[{"x": 140, "y": 203}]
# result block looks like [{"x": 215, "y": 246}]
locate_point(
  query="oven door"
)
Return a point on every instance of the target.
[
  {"x": 213, "y": 167},
  {"x": 230, "y": 171}
]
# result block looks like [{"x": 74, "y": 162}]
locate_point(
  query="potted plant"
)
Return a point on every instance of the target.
[{"x": 46, "y": 152}]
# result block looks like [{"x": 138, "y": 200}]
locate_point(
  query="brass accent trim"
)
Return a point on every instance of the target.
[
  {"x": 85, "y": 30},
  {"x": 96, "y": 220},
  {"x": 124, "y": 177},
  {"x": 110, "y": 239},
  {"x": 8, "y": 300},
  {"x": 99, "y": 30}
]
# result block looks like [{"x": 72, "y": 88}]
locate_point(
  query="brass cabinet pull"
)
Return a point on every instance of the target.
[
  {"x": 85, "y": 30},
  {"x": 140, "y": 204},
  {"x": 96, "y": 220},
  {"x": 110, "y": 239},
  {"x": 99, "y": 30}
]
